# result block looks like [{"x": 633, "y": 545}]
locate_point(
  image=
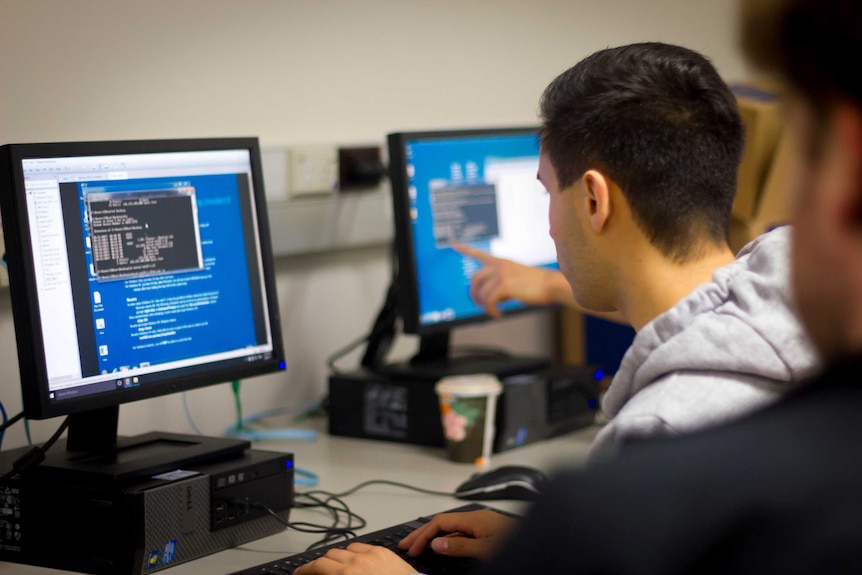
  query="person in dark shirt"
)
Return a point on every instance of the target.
[{"x": 778, "y": 491}]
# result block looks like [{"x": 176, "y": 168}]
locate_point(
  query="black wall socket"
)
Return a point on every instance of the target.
[{"x": 359, "y": 168}]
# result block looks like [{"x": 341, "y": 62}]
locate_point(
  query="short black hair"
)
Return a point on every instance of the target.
[{"x": 659, "y": 120}]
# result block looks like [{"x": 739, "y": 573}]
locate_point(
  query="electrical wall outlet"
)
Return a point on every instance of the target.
[
  {"x": 322, "y": 222},
  {"x": 359, "y": 168},
  {"x": 275, "y": 174},
  {"x": 313, "y": 170}
]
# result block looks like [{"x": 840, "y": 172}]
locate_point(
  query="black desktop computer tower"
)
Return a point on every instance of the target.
[
  {"x": 403, "y": 408},
  {"x": 548, "y": 403},
  {"x": 146, "y": 524}
]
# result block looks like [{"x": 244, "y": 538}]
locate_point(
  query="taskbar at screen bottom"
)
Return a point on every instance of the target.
[{"x": 122, "y": 381}]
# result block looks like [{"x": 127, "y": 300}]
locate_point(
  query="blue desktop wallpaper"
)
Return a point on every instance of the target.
[
  {"x": 159, "y": 318},
  {"x": 443, "y": 275}
]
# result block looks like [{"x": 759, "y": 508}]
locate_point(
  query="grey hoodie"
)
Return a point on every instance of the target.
[{"x": 728, "y": 348}]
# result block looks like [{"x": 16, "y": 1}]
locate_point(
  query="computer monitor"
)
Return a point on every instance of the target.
[
  {"x": 137, "y": 269},
  {"x": 476, "y": 187}
]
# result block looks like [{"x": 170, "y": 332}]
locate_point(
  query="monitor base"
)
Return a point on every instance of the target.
[
  {"x": 435, "y": 369},
  {"x": 135, "y": 456}
]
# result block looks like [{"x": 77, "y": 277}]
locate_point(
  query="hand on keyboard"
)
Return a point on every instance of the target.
[
  {"x": 357, "y": 559},
  {"x": 377, "y": 552},
  {"x": 471, "y": 534}
]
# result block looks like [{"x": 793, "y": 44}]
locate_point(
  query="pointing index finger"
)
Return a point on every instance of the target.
[{"x": 483, "y": 257}]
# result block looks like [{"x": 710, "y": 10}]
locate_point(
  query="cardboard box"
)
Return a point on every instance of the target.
[
  {"x": 773, "y": 205},
  {"x": 762, "y": 201},
  {"x": 760, "y": 109}
]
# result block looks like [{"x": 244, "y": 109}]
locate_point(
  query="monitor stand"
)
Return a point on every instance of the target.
[
  {"x": 94, "y": 454},
  {"x": 433, "y": 361}
]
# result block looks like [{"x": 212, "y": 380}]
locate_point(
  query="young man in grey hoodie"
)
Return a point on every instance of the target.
[
  {"x": 640, "y": 147},
  {"x": 640, "y": 150},
  {"x": 778, "y": 491}
]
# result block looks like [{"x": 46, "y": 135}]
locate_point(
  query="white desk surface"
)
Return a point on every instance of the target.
[{"x": 343, "y": 462}]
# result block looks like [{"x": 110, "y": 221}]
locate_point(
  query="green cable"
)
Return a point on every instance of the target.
[{"x": 235, "y": 385}]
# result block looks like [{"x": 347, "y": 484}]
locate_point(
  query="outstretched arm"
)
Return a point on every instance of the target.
[{"x": 500, "y": 280}]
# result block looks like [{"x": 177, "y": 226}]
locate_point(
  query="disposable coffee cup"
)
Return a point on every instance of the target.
[{"x": 468, "y": 404}]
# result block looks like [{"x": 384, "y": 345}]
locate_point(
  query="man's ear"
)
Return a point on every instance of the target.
[
  {"x": 598, "y": 199},
  {"x": 847, "y": 124}
]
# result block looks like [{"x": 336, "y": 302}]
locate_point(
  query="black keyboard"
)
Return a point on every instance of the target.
[{"x": 428, "y": 562}]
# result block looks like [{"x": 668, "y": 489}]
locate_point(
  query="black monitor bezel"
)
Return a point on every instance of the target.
[
  {"x": 22, "y": 281},
  {"x": 406, "y": 277}
]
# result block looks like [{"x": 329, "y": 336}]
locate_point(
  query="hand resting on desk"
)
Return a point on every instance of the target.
[{"x": 471, "y": 534}]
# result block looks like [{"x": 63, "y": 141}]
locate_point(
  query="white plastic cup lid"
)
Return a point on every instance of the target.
[{"x": 472, "y": 385}]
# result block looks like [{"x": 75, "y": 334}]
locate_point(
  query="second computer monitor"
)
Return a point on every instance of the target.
[{"x": 474, "y": 187}]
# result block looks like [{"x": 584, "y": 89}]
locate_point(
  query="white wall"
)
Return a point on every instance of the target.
[{"x": 307, "y": 71}]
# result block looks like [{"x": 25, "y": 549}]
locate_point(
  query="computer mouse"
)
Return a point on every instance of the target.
[{"x": 516, "y": 482}]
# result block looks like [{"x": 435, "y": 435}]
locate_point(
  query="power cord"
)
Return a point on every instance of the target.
[
  {"x": 379, "y": 339},
  {"x": 35, "y": 455},
  {"x": 324, "y": 499},
  {"x": 345, "y": 523},
  {"x": 364, "y": 484},
  {"x": 382, "y": 333},
  {"x": 339, "y": 511},
  {"x": 7, "y": 423},
  {"x": 5, "y": 419}
]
